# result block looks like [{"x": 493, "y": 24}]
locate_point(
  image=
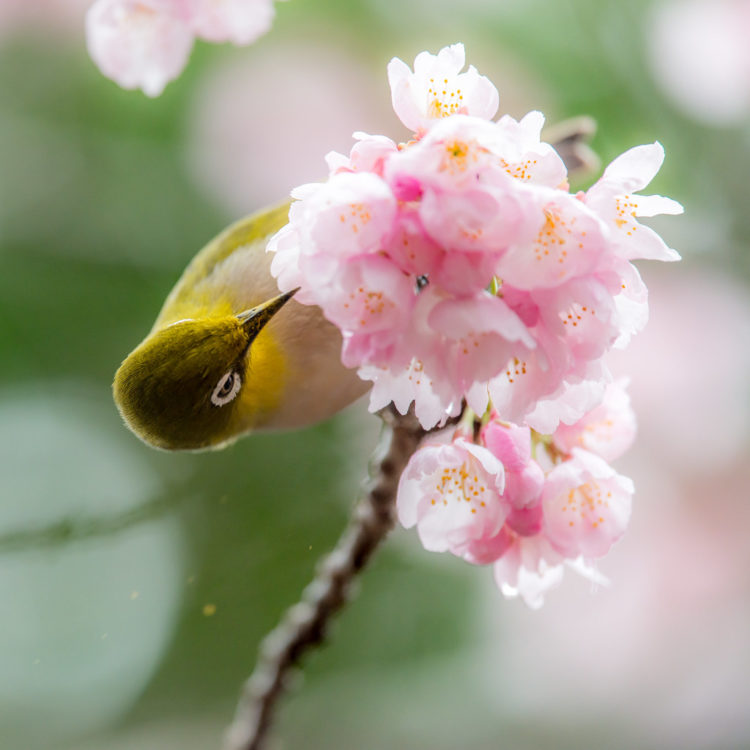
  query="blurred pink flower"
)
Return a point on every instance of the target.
[
  {"x": 700, "y": 55},
  {"x": 139, "y": 43},
  {"x": 607, "y": 431},
  {"x": 689, "y": 370},
  {"x": 146, "y": 43},
  {"x": 237, "y": 21},
  {"x": 528, "y": 568},
  {"x": 230, "y": 152},
  {"x": 586, "y": 505},
  {"x": 678, "y": 617}
]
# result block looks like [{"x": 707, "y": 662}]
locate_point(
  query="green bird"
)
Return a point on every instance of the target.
[{"x": 228, "y": 354}]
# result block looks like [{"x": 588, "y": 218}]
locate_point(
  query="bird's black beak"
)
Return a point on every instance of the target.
[{"x": 254, "y": 319}]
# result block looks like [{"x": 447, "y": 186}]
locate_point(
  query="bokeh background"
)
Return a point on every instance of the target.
[{"x": 135, "y": 585}]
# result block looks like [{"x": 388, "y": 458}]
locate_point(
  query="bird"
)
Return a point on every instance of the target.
[{"x": 228, "y": 354}]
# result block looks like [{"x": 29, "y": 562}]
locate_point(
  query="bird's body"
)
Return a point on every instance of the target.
[{"x": 287, "y": 368}]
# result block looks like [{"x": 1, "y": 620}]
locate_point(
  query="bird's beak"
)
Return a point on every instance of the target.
[{"x": 254, "y": 319}]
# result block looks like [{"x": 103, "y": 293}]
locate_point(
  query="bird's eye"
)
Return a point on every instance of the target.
[{"x": 227, "y": 388}]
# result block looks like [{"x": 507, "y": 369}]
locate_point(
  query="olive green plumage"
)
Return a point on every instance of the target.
[{"x": 228, "y": 354}]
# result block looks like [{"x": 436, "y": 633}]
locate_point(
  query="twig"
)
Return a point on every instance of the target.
[
  {"x": 304, "y": 625},
  {"x": 570, "y": 139},
  {"x": 76, "y": 528}
]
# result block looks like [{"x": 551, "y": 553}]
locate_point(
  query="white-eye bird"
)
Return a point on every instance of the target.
[{"x": 228, "y": 354}]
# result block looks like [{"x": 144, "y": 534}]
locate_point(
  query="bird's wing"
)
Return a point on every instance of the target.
[{"x": 215, "y": 282}]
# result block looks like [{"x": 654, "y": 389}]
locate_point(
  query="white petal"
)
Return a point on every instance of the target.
[
  {"x": 633, "y": 170},
  {"x": 653, "y": 205}
]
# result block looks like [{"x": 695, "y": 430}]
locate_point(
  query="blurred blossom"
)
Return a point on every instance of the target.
[
  {"x": 56, "y": 15},
  {"x": 700, "y": 54},
  {"x": 249, "y": 146},
  {"x": 690, "y": 370},
  {"x": 608, "y": 430},
  {"x": 139, "y": 44},
  {"x": 146, "y": 43},
  {"x": 84, "y": 622},
  {"x": 669, "y": 641}
]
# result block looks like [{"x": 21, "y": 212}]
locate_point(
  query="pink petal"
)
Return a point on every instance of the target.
[
  {"x": 607, "y": 431},
  {"x": 139, "y": 43},
  {"x": 633, "y": 170},
  {"x": 450, "y": 492},
  {"x": 586, "y": 506},
  {"x": 437, "y": 89},
  {"x": 510, "y": 443},
  {"x": 238, "y": 21},
  {"x": 568, "y": 241}
]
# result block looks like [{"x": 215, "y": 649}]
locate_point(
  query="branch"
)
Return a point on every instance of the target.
[
  {"x": 304, "y": 625},
  {"x": 570, "y": 139},
  {"x": 75, "y": 528}
]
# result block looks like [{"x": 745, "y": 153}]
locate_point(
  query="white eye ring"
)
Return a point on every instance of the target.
[{"x": 227, "y": 388}]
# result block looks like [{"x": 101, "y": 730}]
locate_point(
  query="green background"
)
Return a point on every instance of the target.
[{"x": 110, "y": 552}]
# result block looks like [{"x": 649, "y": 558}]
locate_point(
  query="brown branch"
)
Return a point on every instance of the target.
[
  {"x": 303, "y": 627},
  {"x": 80, "y": 527},
  {"x": 570, "y": 139}
]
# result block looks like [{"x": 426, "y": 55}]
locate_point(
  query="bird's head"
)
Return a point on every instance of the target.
[{"x": 189, "y": 385}]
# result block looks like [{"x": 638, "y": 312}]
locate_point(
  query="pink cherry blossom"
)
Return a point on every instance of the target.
[
  {"x": 139, "y": 43},
  {"x": 528, "y": 568},
  {"x": 574, "y": 397},
  {"x": 607, "y": 431},
  {"x": 468, "y": 281},
  {"x": 368, "y": 154},
  {"x": 457, "y": 153},
  {"x": 449, "y": 344},
  {"x": 612, "y": 197},
  {"x": 524, "y": 478},
  {"x": 547, "y": 373},
  {"x": 146, "y": 43},
  {"x": 237, "y": 21},
  {"x": 525, "y": 156},
  {"x": 438, "y": 89},
  {"x": 479, "y": 335},
  {"x": 403, "y": 385},
  {"x": 586, "y": 506},
  {"x": 581, "y": 315},
  {"x": 452, "y": 494},
  {"x": 468, "y": 199},
  {"x": 371, "y": 299},
  {"x": 512, "y": 289},
  {"x": 569, "y": 240},
  {"x": 349, "y": 215}
]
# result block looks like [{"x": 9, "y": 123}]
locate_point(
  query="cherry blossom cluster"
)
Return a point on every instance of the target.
[
  {"x": 467, "y": 280},
  {"x": 497, "y": 493},
  {"x": 146, "y": 43},
  {"x": 459, "y": 266}
]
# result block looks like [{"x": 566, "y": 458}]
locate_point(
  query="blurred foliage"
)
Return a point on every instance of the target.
[{"x": 98, "y": 216}]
